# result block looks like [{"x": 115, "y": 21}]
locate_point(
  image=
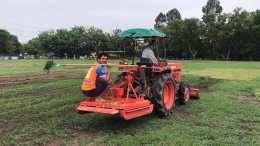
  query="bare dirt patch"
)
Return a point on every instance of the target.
[
  {"x": 248, "y": 99},
  {"x": 6, "y": 80},
  {"x": 55, "y": 142},
  {"x": 181, "y": 113},
  {"x": 8, "y": 124},
  {"x": 90, "y": 136},
  {"x": 205, "y": 83},
  {"x": 2, "y": 130},
  {"x": 78, "y": 138}
]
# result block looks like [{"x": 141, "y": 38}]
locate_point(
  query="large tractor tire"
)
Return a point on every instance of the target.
[
  {"x": 184, "y": 93},
  {"x": 121, "y": 78},
  {"x": 163, "y": 94}
]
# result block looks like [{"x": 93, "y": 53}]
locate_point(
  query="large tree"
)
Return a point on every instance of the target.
[
  {"x": 14, "y": 45},
  {"x": 192, "y": 32},
  {"x": 114, "y": 40},
  {"x": 255, "y": 35},
  {"x": 173, "y": 14},
  {"x": 9, "y": 44},
  {"x": 234, "y": 39},
  {"x": 211, "y": 12},
  {"x": 240, "y": 22},
  {"x": 4, "y": 39},
  {"x": 33, "y": 47},
  {"x": 175, "y": 45},
  {"x": 185, "y": 37},
  {"x": 63, "y": 41},
  {"x": 96, "y": 40},
  {"x": 78, "y": 41},
  {"x": 160, "y": 21}
]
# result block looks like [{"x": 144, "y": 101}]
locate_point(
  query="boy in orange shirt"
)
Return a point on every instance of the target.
[{"x": 96, "y": 82}]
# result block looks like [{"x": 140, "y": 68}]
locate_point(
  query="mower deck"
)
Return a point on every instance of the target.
[{"x": 128, "y": 108}]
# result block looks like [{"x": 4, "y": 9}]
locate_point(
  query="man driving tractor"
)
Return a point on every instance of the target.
[{"x": 149, "y": 54}]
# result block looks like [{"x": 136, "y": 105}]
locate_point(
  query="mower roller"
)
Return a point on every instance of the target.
[{"x": 143, "y": 88}]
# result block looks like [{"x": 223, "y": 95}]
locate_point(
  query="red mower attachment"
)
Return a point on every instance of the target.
[{"x": 127, "y": 107}]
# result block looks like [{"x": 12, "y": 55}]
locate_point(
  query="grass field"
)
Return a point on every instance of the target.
[{"x": 42, "y": 113}]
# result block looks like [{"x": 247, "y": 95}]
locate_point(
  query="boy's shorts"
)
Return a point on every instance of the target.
[{"x": 100, "y": 87}]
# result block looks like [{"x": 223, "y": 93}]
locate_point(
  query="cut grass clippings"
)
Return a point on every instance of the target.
[
  {"x": 229, "y": 74},
  {"x": 257, "y": 93}
]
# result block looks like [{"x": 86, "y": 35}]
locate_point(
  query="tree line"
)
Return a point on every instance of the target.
[
  {"x": 78, "y": 41},
  {"x": 222, "y": 36},
  {"x": 219, "y": 35}
]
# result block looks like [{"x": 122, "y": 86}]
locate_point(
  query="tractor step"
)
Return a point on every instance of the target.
[{"x": 128, "y": 108}]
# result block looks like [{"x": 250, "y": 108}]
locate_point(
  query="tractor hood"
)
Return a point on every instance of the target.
[{"x": 141, "y": 32}]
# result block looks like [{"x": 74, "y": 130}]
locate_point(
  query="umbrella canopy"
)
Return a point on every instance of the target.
[{"x": 142, "y": 32}]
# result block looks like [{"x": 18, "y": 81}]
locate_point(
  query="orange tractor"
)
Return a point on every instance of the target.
[{"x": 143, "y": 88}]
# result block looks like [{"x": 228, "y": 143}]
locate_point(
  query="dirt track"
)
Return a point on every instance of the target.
[{"x": 6, "y": 80}]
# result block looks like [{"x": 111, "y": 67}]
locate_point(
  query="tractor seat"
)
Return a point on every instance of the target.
[{"x": 144, "y": 61}]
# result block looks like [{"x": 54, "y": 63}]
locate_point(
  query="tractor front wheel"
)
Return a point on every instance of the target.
[
  {"x": 184, "y": 93},
  {"x": 163, "y": 94}
]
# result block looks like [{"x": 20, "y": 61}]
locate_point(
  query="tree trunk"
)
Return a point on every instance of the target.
[
  {"x": 193, "y": 54},
  {"x": 228, "y": 54}
]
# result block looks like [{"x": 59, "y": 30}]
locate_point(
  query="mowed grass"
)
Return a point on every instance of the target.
[
  {"x": 12, "y": 67},
  {"x": 34, "y": 66},
  {"x": 227, "y": 113}
]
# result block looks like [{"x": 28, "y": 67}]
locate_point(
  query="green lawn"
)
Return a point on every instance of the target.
[{"x": 228, "y": 112}]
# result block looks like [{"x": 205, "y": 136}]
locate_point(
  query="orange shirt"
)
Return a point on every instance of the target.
[{"x": 90, "y": 80}]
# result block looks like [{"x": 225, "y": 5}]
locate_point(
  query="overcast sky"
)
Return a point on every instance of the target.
[{"x": 27, "y": 18}]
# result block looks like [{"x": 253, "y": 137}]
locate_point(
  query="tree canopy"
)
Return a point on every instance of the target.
[
  {"x": 9, "y": 44},
  {"x": 78, "y": 41},
  {"x": 219, "y": 35}
]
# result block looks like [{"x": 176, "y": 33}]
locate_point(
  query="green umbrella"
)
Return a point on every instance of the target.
[{"x": 142, "y": 32}]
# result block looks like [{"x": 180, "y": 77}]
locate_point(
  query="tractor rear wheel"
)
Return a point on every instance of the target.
[
  {"x": 120, "y": 78},
  {"x": 163, "y": 94},
  {"x": 184, "y": 93}
]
